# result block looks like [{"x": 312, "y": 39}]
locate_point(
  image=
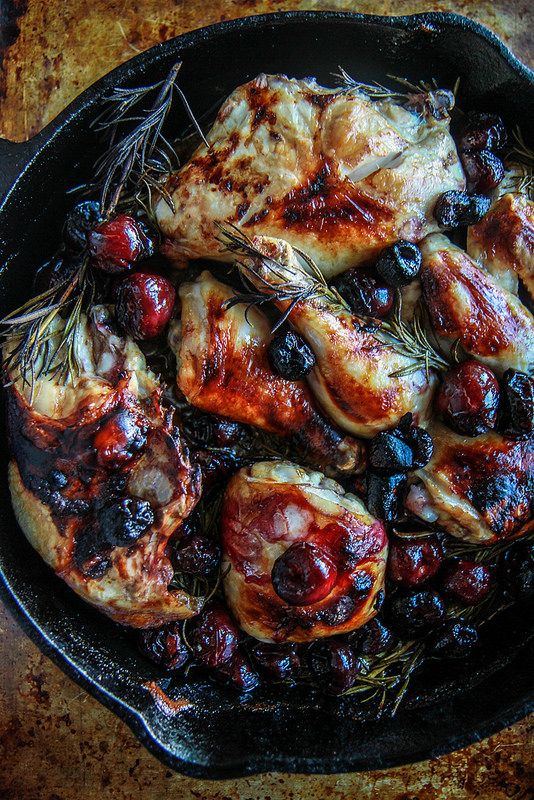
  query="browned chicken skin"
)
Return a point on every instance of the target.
[
  {"x": 327, "y": 170},
  {"x": 223, "y": 368}
]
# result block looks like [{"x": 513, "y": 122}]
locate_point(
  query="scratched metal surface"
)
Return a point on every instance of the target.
[{"x": 56, "y": 742}]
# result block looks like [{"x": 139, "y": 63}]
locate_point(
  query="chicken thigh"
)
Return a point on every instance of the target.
[
  {"x": 480, "y": 489},
  {"x": 223, "y": 368},
  {"x": 354, "y": 378},
  {"x": 325, "y": 169},
  {"x": 100, "y": 479},
  {"x": 303, "y": 560},
  {"x": 503, "y": 242},
  {"x": 467, "y": 305}
]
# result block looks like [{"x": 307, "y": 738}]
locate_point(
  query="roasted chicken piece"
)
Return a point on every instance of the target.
[
  {"x": 100, "y": 479},
  {"x": 467, "y": 305},
  {"x": 223, "y": 368},
  {"x": 327, "y": 170},
  {"x": 480, "y": 489},
  {"x": 305, "y": 559},
  {"x": 354, "y": 378},
  {"x": 503, "y": 241}
]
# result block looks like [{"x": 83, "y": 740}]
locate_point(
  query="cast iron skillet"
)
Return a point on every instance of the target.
[{"x": 209, "y": 732}]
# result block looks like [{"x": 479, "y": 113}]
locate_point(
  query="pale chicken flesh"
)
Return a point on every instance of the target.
[
  {"x": 272, "y": 506},
  {"x": 327, "y": 170},
  {"x": 356, "y": 376},
  {"x": 79, "y": 448},
  {"x": 467, "y": 305},
  {"x": 223, "y": 368}
]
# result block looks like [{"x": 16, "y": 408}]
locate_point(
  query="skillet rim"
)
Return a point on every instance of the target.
[{"x": 16, "y": 161}]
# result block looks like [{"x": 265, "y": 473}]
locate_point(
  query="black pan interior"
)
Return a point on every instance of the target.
[{"x": 217, "y": 735}]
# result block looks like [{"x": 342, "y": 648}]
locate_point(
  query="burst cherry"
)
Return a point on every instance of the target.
[{"x": 144, "y": 304}]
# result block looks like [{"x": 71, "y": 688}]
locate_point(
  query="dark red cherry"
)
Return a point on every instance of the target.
[
  {"x": 334, "y": 665},
  {"x": 414, "y": 561},
  {"x": 165, "y": 646},
  {"x": 216, "y": 466},
  {"x": 482, "y": 131},
  {"x": 373, "y": 638},
  {"x": 303, "y": 574},
  {"x": 466, "y": 581},
  {"x": 454, "y": 639},
  {"x": 468, "y": 398},
  {"x": 199, "y": 556},
  {"x": 144, "y": 304},
  {"x": 366, "y": 294},
  {"x": 518, "y": 397},
  {"x": 119, "y": 439},
  {"x": 484, "y": 170},
  {"x": 416, "y": 614},
  {"x": 116, "y": 244},
  {"x": 213, "y": 636},
  {"x": 238, "y": 673},
  {"x": 280, "y": 662}
]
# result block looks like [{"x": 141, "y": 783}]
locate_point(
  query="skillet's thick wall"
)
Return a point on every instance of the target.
[{"x": 217, "y": 736}]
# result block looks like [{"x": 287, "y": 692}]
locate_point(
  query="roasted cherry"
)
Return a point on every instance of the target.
[
  {"x": 215, "y": 465},
  {"x": 198, "y": 556},
  {"x": 116, "y": 244},
  {"x": 516, "y": 570},
  {"x": 518, "y": 401},
  {"x": 207, "y": 430},
  {"x": 399, "y": 263},
  {"x": 124, "y": 521},
  {"x": 468, "y": 398},
  {"x": 165, "y": 646},
  {"x": 484, "y": 170},
  {"x": 144, "y": 304},
  {"x": 455, "y": 209},
  {"x": 366, "y": 294},
  {"x": 279, "y": 662},
  {"x": 334, "y": 665},
  {"x": 414, "y": 561},
  {"x": 421, "y": 445},
  {"x": 238, "y": 673},
  {"x": 303, "y": 574},
  {"x": 290, "y": 356},
  {"x": 388, "y": 453},
  {"x": 454, "y": 639},
  {"x": 119, "y": 439},
  {"x": 79, "y": 222},
  {"x": 466, "y": 581},
  {"x": 385, "y": 495},
  {"x": 416, "y": 614},
  {"x": 482, "y": 131},
  {"x": 213, "y": 636},
  {"x": 372, "y": 639}
]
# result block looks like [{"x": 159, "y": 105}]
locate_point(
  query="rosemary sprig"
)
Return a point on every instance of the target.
[
  {"x": 482, "y": 553},
  {"x": 409, "y": 339},
  {"x": 520, "y": 159},
  {"x": 142, "y": 158}
]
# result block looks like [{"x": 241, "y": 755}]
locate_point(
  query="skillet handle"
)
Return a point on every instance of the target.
[{"x": 14, "y": 158}]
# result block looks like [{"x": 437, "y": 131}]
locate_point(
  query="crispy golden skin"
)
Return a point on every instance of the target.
[{"x": 272, "y": 505}]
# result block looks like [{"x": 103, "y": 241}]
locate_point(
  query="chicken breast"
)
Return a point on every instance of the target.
[
  {"x": 223, "y": 368},
  {"x": 503, "y": 242},
  {"x": 479, "y": 489},
  {"x": 327, "y": 170},
  {"x": 291, "y": 533},
  {"x": 467, "y": 305},
  {"x": 96, "y": 459},
  {"x": 354, "y": 378}
]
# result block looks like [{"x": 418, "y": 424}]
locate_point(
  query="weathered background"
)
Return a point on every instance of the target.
[{"x": 56, "y": 742}]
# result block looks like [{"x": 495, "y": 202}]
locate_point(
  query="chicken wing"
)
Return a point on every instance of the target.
[
  {"x": 354, "y": 377},
  {"x": 100, "y": 479},
  {"x": 327, "y": 170},
  {"x": 294, "y": 534},
  {"x": 467, "y": 305},
  {"x": 223, "y": 368},
  {"x": 480, "y": 489},
  {"x": 503, "y": 241}
]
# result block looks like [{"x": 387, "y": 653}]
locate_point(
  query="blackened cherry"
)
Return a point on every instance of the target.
[
  {"x": 165, "y": 646},
  {"x": 484, "y": 170},
  {"x": 290, "y": 356},
  {"x": 213, "y": 636},
  {"x": 215, "y": 466},
  {"x": 334, "y": 665},
  {"x": 123, "y": 522},
  {"x": 482, "y": 131},
  {"x": 385, "y": 495},
  {"x": 518, "y": 401},
  {"x": 366, "y": 294},
  {"x": 421, "y": 444},
  {"x": 373, "y": 638},
  {"x": 79, "y": 222},
  {"x": 116, "y": 244},
  {"x": 416, "y": 614},
  {"x": 208, "y": 430},
  {"x": 414, "y": 561},
  {"x": 304, "y": 574},
  {"x": 389, "y": 453},
  {"x": 279, "y": 662},
  {"x": 399, "y": 263},
  {"x": 468, "y": 398},
  {"x": 466, "y": 581},
  {"x": 144, "y": 304},
  {"x": 454, "y": 639},
  {"x": 455, "y": 209}
]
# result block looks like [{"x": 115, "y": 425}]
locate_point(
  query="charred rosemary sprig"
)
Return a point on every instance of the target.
[
  {"x": 142, "y": 158},
  {"x": 409, "y": 339}
]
